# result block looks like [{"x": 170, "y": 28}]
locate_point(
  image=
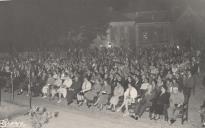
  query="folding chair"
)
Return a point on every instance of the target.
[{"x": 183, "y": 113}]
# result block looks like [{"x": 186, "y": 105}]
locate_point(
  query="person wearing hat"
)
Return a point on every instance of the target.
[{"x": 176, "y": 101}]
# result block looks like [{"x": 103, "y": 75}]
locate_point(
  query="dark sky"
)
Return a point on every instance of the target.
[{"x": 32, "y": 22}]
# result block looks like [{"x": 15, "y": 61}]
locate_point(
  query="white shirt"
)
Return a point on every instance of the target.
[
  {"x": 68, "y": 82},
  {"x": 58, "y": 82},
  {"x": 86, "y": 86},
  {"x": 144, "y": 86},
  {"x": 131, "y": 92}
]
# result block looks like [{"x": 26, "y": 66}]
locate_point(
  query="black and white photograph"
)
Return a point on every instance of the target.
[{"x": 102, "y": 63}]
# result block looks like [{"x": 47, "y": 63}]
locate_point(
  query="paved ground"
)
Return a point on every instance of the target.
[
  {"x": 75, "y": 117},
  {"x": 8, "y": 110}
]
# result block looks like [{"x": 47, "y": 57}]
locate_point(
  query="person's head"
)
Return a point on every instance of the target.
[
  {"x": 174, "y": 80},
  {"x": 49, "y": 75},
  {"x": 150, "y": 87},
  {"x": 175, "y": 90},
  {"x": 118, "y": 84},
  {"x": 189, "y": 73},
  {"x": 105, "y": 82},
  {"x": 153, "y": 83},
  {"x": 159, "y": 78},
  {"x": 146, "y": 80},
  {"x": 97, "y": 81},
  {"x": 106, "y": 76},
  {"x": 177, "y": 76},
  {"x": 76, "y": 78},
  {"x": 163, "y": 89},
  {"x": 168, "y": 82},
  {"x": 129, "y": 79},
  {"x": 119, "y": 78}
]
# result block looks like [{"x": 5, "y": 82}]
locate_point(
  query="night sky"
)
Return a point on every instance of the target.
[{"x": 33, "y": 22}]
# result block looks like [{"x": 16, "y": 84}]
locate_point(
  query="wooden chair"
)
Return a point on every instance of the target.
[{"x": 183, "y": 113}]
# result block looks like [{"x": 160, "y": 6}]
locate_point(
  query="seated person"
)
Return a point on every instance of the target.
[
  {"x": 159, "y": 103},
  {"x": 118, "y": 92},
  {"x": 104, "y": 95},
  {"x": 91, "y": 95},
  {"x": 145, "y": 101},
  {"x": 85, "y": 88},
  {"x": 23, "y": 84},
  {"x": 129, "y": 98},
  {"x": 176, "y": 101},
  {"x": 45, "y": 89},
  {"x": 67, "y": 82},
  {"x": 144, "y": 86},
  {"x": 56, "y": 85},
  {"x": 73, "y": 90}
]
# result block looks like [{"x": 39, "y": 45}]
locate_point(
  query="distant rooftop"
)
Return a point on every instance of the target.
[{"x": 152, "y": 16}]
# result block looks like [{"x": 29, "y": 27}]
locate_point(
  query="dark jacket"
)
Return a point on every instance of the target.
[
  {"x": 189, "y": 82},
  {"x": 163, "y": 98},
  {"x": 76, "y": 86}
]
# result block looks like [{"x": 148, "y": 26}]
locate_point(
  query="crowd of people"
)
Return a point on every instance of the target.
[{"x": 159, "y": 78}]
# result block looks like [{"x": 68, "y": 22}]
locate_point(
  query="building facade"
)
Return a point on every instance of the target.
[{"x": 145, "y": 28}]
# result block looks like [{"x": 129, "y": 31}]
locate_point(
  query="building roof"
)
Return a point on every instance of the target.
[
  {"x": 152, "y": 16},
  {"x": 117, "y": 16},
  {"x": 188, "y": 13}
]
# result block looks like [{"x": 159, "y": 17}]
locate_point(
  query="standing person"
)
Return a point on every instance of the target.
[
  {"x": 194, "y": 73},
  {"x": 188, "y": 86},
  {"x": 179, "y": 80}
]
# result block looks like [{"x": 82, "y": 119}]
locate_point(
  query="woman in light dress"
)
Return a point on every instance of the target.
[
  {"x": 129, "y": 97},
  {"x": 118, "y": 92}
]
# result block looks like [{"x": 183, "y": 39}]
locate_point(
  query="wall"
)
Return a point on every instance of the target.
[
  {"x": 122, "y": 34},
  {"x": 153, "y": 33}
]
